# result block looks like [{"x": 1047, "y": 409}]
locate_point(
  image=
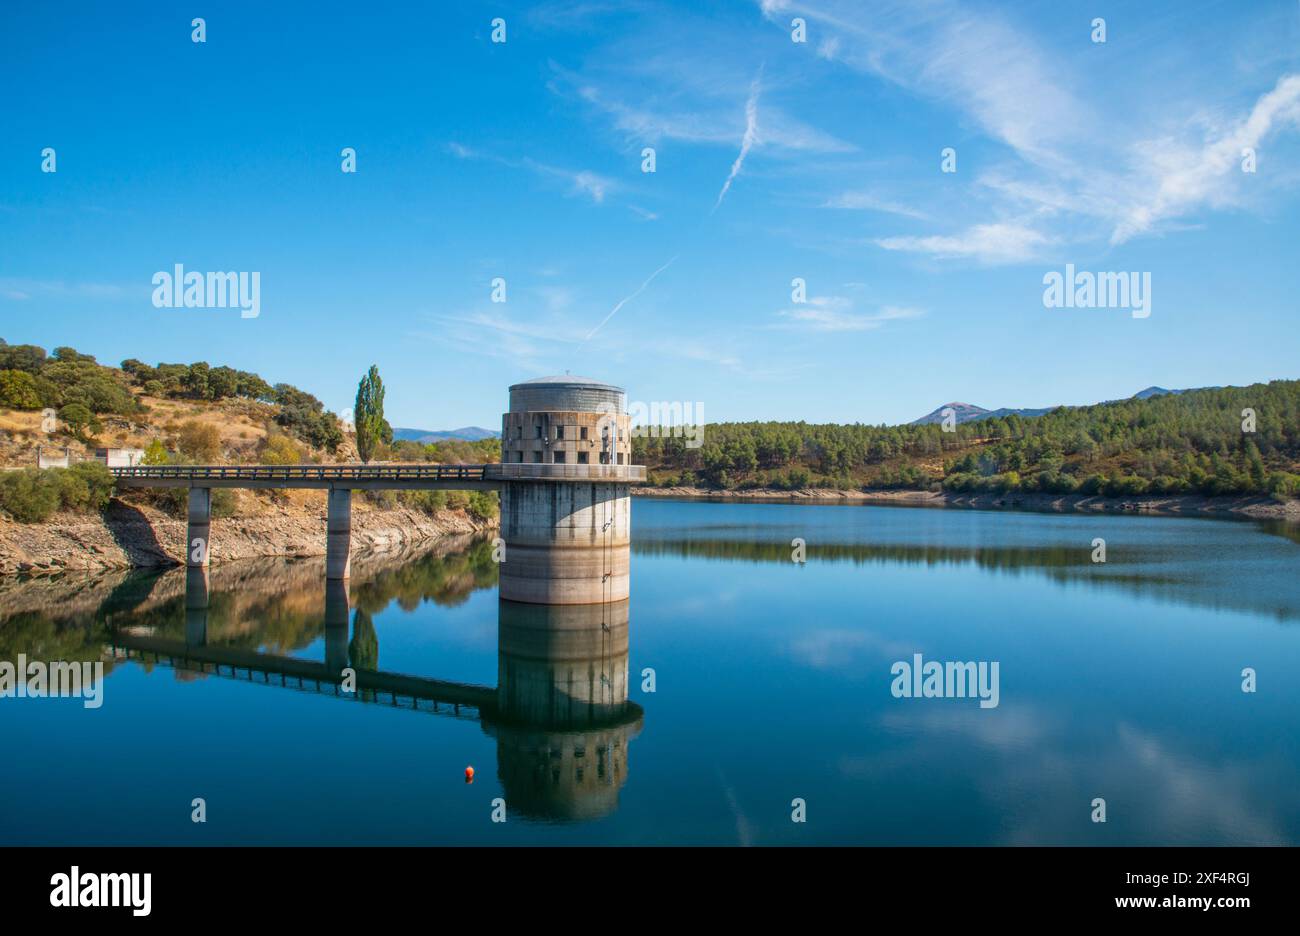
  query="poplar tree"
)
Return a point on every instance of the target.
[{"x": 368, "y": 414}]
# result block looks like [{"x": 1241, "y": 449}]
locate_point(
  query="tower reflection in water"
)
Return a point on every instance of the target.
[
  {"x": 564, "y": 720},
  {"x": 561, "y": 713}
]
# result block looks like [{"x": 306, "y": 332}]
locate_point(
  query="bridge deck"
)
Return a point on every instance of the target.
[
  {"x": 369, "y": 477},
  {"x": 459, "y": 699}
]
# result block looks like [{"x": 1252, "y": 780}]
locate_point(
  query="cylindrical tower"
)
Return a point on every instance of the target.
[{"x": 565, "y": 470}]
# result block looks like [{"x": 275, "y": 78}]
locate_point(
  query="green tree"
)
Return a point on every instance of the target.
[
  {"x": 155, "y": 454},
  {"x": 78, "y": 418},
  {"x": 18, "y": 390},
  {"x": 368, "y": 414}
]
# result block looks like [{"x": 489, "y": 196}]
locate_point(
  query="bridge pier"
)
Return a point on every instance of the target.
[
  {"x": 196, "y": 606},
  {"x": 198, "y": 531},
  {"x": 337, "y": 612},
  {"x": 338, "y": 544}
]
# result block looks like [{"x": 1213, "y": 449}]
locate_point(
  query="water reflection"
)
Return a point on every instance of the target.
[
  {"x": 1187, "y": 570},
  {"x": 560, "y": 712},
  {"x": 563, "y": 720}
]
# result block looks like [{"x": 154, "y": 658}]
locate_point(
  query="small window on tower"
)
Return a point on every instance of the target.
[
  {"x": 537, "y": 458},
  {"x": 559, "y": 432},
  {"x": 559, "y": 457},
  {"x": 582, "y": 433},
  {"x": 582, "y": 458}
]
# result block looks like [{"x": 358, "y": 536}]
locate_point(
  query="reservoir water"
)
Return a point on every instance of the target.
[{"x": 1119, "y": 681}]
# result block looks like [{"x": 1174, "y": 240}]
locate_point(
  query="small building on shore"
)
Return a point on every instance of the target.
[{"x": 65, "y": 458}]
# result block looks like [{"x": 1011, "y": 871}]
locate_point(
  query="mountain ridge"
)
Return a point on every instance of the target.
[
  {"x": 426, "y": 436},
  {"x": 969, "y": 412}
]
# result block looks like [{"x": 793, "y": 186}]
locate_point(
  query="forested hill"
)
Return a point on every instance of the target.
[{"x": 1197, "y": 442}]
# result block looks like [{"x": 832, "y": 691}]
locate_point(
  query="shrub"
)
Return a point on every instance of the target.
[
  {"x": 484, "y": 504},
  {"x": 156, "y": 454},
  {"x": 429, "y": 501},
  {"x": 29, "y": 496},
  {"x": 33, "y": 495},
  {"x": 280, "y": 450},
  {"x": 86, "y": 485},
  {"x": 200, "y": 442},
  {"x": 18, "y": 390}
]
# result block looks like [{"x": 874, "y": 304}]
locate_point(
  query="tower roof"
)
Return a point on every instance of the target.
[{"x": 568, "y": 380}]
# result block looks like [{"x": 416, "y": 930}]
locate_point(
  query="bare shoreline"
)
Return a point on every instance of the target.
[
  {"x": 1181, "y": 505},
  {"x": 126, "y": 536}
]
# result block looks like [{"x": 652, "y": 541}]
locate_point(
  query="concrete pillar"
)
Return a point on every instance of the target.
[
  {"x": 198, "y": 546},
  {"x": 337, "y": 611},
  {"x": 196, "y": 606},
  {"x": 338, "y": 546},
  {"x": 567, "y": 542}
]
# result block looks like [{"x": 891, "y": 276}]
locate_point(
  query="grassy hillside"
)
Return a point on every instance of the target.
[
  {"x": 1191, "y": 443},
  {"x": 179, "y": 414}
]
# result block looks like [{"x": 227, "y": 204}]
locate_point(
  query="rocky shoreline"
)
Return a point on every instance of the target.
[
  {"x": 129, "y": 536},
  {"x": 1182, "y": 505}
]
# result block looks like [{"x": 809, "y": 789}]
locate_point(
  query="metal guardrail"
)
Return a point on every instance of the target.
[
  {"x": 514, "y": 471},
  {"x": 375, "y": 475},
  {"x": 303, "y": 472}
]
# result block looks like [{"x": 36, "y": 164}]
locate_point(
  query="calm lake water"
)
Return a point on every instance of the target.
[{"x": 1120, "y": 681}]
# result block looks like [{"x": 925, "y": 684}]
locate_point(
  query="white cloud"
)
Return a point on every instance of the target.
[
  {"x": 835, "y": 314},
  {"x": 1183, "y": 178},
  {"x": 866, "y": 201},
  {"x": 986, "y": 243},
  {"x": 1089, "y": 171}
]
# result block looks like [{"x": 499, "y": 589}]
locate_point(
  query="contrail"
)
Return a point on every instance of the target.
[
  {"x": 626, "y": 299},
  {"x": 746, "y": 142}
]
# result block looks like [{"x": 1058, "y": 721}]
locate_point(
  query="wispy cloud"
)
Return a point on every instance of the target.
[
  {"x": 21, "y": 290},
  {"x": 746, "y": 141},
  {"x": 986, "y": 243},
  {"x": 626, "y": 299},
  {"x": 1069, "y": 177},
  {"x": 581, "y": 181},
  {"x": 835, "y": 314},
  {"x": 1185, "y": 177},
  {"x": 867, "y": 201}
]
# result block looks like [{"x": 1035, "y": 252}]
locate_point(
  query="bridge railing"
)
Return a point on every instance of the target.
[
  {"x": 289, "y": 474},
  {"x": 303, "y": 472},
  {"x": 514, "y": 471}
]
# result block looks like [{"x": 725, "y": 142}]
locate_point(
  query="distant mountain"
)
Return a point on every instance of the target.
[
  {"x": 425, "y": 436},
  {"x": 967, "y": 412}
]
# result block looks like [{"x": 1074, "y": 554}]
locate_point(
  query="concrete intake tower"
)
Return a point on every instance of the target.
[{"x": 565, "y": 476}]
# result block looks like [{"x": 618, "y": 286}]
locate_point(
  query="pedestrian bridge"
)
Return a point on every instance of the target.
[
  {"x": 542, "y": 503},
  {"x": 417, "y": 477}
]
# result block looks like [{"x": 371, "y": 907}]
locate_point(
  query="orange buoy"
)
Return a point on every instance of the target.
[{"x": 469, "y": 774}]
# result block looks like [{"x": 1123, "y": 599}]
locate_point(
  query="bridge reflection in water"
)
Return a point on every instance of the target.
[{"x": 560, "y": 712}]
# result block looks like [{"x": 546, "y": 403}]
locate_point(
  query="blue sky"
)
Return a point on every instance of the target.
[{"x": 774, "y": 160}]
